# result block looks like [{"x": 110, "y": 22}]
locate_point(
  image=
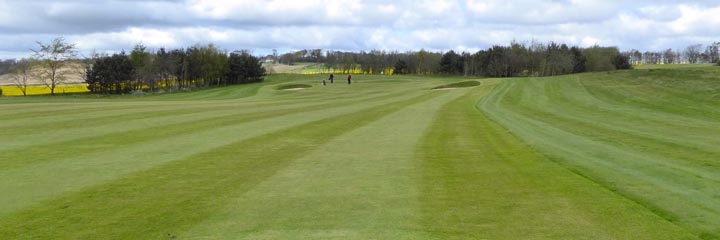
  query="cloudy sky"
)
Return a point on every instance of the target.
[{"x": 440, "y": 25}]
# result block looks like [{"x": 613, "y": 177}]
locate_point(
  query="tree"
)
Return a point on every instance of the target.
[
  {"x": 111, "y": 74},
  {"x": 622, "y": 62},
  {"x": 6, "y": 65},
  {"x": 601, "y": 58},
  {"x": 244, "y": 68},
  {"x": 20, "y": 74},
  {"x": 142, "y": 63},
  {"x": 451, "y": 63},
  {"x": 275, "y": 55},
  {"x": 166, "y": 64},
  {"x": 669, "y": 56},
  {"x": 401, "y": 67},
  {"x": 692, "y": 53},
  {"x": 713, "y": 52},
  {"x": 578, "y": 60},
  {"x": 52, "y": 57}
]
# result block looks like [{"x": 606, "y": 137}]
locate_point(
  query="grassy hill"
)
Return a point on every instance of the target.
[{"x": 619, "y": 155}]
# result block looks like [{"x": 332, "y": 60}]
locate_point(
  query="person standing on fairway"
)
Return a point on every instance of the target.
[
  {"x": 324, "y": 83},
  {"x": 332, "y": 78},
  {"x": 349, "y": 79}
]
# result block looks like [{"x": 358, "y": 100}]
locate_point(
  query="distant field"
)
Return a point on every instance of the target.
[
  {"x": 620, "y": 155},
  {"x": 284, "y": 68},
  {"x": 72, "y": 76},
  {"x": 671, "y": 66}
]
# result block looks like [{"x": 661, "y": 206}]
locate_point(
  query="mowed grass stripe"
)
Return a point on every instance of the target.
[
  {"x": 174, "y": 196},
  {"x": 582, "y": 89},
  {"x": 481, "y": 182},
  {"x": 227, "y": 92},
  {"x": 602, "y": 91},
  {"x": 78, "y": 125},
  {"x": 61, "y": 135},
  {"x": 570, "y": 97},
  {"x": 77, "y": 147},
  {"x": 671, "y": 180},
  {"x": 359, "y": 185},
  {"x": 688, "y": 152},
  {"x": 72, "y": 112},
  {"x": 33, "y": 111},
  {"x": 24, "y": 188},
  {"x": 78, "y": 116},
  {"x": 65, "y": 134},
  {"x": 50, "y": 124},
  {"x": 681, "y": 196},
  {"x": 646, "y": 95}
]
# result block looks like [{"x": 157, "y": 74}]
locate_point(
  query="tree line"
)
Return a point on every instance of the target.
[
  {"x": 516, "y": 59},
  {"x": 175, "y": 69},
  {"x": 139, "y": 71},
  {"x": 205, "y": 65},
  {"x": 696, "y": 53}
]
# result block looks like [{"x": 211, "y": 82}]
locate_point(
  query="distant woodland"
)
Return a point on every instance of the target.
[{"x": 144, "y": 70}]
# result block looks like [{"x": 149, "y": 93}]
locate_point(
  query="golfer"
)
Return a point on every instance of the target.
[
  {"x": 349, "y": 79},
  {"x": 332, "y": 78}
]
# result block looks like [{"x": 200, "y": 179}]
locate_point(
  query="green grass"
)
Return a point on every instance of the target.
[
  {"x": 650, "y": 136},
  {"x": 621, "y": 155}
]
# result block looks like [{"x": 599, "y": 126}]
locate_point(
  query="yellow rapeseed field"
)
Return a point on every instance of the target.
[{"x": 39, "y": 90}]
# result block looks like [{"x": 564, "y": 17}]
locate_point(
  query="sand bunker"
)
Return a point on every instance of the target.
[{"x": 293, "y": 87}]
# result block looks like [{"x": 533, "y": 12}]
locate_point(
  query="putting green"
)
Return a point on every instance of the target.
[{"x": 590, "y": 156}]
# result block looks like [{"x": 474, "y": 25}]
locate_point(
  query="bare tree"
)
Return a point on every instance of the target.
[
  {"x": 20, "y": 74},
  {"x": 52, "y": 57},
  {"x": 669, "y": 56},
  {"x": 713, "y": 52},
  {"x": 692, "y": 53}
]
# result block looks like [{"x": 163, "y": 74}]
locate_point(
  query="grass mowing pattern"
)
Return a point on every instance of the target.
[
  {"x": 196, "y": 185},
  {"x": 383, "y": 158},
  {"x": 649, "y": 135},
  {"x": 481, "y": 182}
]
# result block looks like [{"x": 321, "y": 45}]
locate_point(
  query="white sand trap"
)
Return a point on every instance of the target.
[{"x": 294, "y": 89}]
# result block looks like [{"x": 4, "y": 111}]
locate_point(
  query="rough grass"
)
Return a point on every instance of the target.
[
  {"x": 626, "y": 155},
  {"x": 463, "y": 84},
  {"x": 650, "y": 136}
]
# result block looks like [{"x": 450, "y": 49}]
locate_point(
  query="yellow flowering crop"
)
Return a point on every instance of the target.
[{"x": 40, "y": 90}]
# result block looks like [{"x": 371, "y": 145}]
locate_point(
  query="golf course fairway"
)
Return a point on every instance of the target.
[{"x": 611, "y": 155}]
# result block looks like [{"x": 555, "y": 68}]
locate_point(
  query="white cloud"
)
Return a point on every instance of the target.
[{"x": 402, "y": 25}]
